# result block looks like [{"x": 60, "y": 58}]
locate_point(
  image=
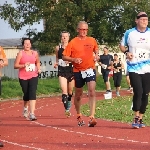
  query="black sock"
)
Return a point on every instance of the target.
[
  {"x": 65, "y": 100},
  {"x": 69, "y": 97}
]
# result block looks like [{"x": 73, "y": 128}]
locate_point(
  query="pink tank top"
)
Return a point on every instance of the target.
[{"x": 24, "y": 73}]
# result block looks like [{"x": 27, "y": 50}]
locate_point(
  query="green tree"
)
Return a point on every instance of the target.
[{"x": 107, "y": 19}]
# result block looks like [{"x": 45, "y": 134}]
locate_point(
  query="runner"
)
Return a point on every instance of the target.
[
  {"x": 80, "y": 52},
  {"x": 138, "y": 64},
  {"x": 65, "y": 73},
  {"x": 3, "y": 63},
  {"x": 106, "y": 63},
  {"x": 117, "y": 71},
  {"x": 28, "y": 63}
]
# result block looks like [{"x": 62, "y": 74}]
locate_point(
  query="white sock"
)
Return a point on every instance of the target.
[{"x": 25, "y": 108}]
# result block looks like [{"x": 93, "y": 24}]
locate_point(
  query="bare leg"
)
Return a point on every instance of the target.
[
  {"x": 92, "y": 101},
  {"x": 32, "y": 106},
  {"x": 77, "y": 99},
  {"x": 63, "y": 85},
  {"x": 26, "y": 104}
]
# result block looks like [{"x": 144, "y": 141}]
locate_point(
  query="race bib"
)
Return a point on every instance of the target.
[
  {"x": 142, "y": 54},
  {"x": 116, "y": 71},
  {"x": 30, "y": 67},
  {"x": 104, "y": 66},
  {"x": 111, "y": 72},
  {"x": 62, "y": 63},
  {"x": 87, "y": 73}
]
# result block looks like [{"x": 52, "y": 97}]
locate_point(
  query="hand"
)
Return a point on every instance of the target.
[
  {"x": 39, "y": 71},
  {"x": 115, "y": 70},
  {"x": 77, "y": 60},
  {"x": 129, "y": 56},
  {"x": 109, "y": 67},
  {"x": 1, "y": 63},
  {"x": 27, "y": 64},
  {"x": 55, "y": 65},
  {"x": 104, "y": 66},
  {"x": 67, "y": 62},
  {"x": 96, "y": 58}
]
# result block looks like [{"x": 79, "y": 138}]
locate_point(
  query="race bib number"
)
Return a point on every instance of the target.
[
  {"x": 30, "y": 67},
  {"x": 87, "y": 73},
  {"x": 62, "y": 63},
  {"x": 142, "y": 54}
]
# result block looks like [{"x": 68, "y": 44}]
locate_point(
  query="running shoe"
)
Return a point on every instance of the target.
[
  {"x": 141, "y": 124},
  {"x": 129, "y": 88},
  {"x": 67, "y": 113},
  {"x": 92, "y": 122},
  {"x": 80, "y": 120},
  {"x": 32, "y": 117},
  {"x": 108, "y": 91},
  {"x": 25, "y": 112},
  {"x": 117, "y": 93},
  {"x": 135, "y": 123}
]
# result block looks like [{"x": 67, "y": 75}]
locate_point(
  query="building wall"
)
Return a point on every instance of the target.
[
  {"x": 47, "y": 66},
  {"x": 11, "y": 52}
]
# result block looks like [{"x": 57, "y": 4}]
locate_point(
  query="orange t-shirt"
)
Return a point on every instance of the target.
[
  {"x": 83, "y": 49},
  {"x": 2, "y": 53}
]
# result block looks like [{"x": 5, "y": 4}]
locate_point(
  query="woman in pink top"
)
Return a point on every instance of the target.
[{"x": 28, "y": 63}]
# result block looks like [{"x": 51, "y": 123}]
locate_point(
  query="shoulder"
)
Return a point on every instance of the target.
[
  {"x": 102, "y": 56},
  {"x": 92, "y": 39},
  {"x": 111, "y": 56},
  {"x": 148, "y": 30},
  {"x": 57, "y": 48},
  {"x": 76, "y": 39},
  {"x": 73, "y": 42},
  {"x": 20, "y": 53},
  {"x": 35, "y": 52},
  {"x": 129, "y": 31}
]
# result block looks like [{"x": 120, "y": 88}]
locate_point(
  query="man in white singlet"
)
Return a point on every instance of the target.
[{"x": 137, "y": 40}]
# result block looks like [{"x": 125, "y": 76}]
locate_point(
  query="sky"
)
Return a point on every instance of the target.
[{"x": 6, "y": 32}]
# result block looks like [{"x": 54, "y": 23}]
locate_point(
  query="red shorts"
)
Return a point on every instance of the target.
[{"x": 110, "y": 73}]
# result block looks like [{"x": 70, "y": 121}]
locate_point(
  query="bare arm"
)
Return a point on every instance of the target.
[
  {"x": 68, "y": 58},
  {"x": 111, "y": 65},
  {"x": 56, "y": 52},
  {"x": 5, "y": 61},
  {"x": 122, "y": 48},
  {"x": 17, "y": 61},
  {"x": 96, "y": 55},
  {"x": 122, "y": 65},
  {"x": 38, "y": 61}
]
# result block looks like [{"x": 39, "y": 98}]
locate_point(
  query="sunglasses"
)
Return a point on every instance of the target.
[{"x": 83, "y": 29}]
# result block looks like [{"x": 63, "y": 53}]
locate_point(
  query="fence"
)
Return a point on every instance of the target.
[{"x": 47, "y": 63}]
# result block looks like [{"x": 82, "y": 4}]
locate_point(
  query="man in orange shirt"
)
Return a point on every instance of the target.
[
  {"x": 79, "y": 51},
  {"x": 3, "y": 62}
]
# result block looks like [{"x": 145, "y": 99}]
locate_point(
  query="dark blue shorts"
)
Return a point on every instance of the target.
[{"x": 80, "y": 81}]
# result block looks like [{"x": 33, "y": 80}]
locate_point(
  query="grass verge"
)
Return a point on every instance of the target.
[
  {"x": 49, "y": 86},
  {"x": 116, "y": 109}
]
